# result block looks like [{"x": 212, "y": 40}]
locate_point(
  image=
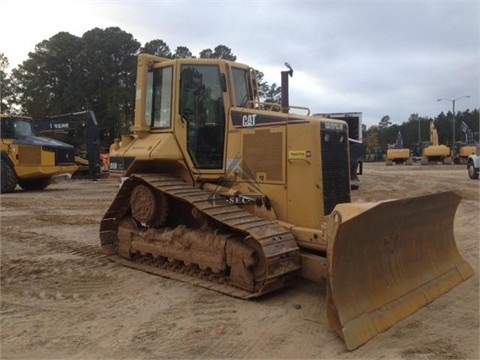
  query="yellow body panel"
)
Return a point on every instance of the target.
[
  {"x": 466, "y": 151},
  {"x": 304, "y": 172},
  {"x": 395, "y": 154},
  {"x": 438, "y": 150},
  {"x": 31, "y": 162},
  {"x": 156, "y": 145}
]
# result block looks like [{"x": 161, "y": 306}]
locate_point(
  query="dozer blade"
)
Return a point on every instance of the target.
[{"x": 388, "y": 259}]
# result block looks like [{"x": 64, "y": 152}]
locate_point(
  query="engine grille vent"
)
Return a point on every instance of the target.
[
  {"x": 335, "y": 169},
  {"x": 64, "y": 156},
  {"x": 262, "y": 154},
  {"x": 29, "y": 155}
]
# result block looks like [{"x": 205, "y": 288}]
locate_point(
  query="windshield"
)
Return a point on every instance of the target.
[{"x": 22, "y": 129}]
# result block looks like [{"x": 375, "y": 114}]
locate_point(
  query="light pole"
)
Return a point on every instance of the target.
[{"x": 453, "y": 105}]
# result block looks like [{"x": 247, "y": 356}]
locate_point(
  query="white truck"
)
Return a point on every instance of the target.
[{"x": 473, "y": 163}]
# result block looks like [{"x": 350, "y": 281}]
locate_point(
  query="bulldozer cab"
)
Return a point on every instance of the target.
[{"x": 196, "y": 111}]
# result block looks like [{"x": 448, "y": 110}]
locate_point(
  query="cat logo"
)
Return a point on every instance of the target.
[{"x": 248, "y": 120}]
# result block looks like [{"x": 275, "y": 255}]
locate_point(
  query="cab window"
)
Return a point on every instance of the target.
[
  {"x": 241, "y": 86},
  {"x": 158, "y": 112}
]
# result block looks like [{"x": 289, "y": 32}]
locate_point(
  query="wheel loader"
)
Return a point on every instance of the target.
[
  {"x": 28, "y": 160},
  {"x": 244, "y": 197}
]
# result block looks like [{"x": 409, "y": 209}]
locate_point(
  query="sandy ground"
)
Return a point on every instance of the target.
[{"x": 61, "y": 298}]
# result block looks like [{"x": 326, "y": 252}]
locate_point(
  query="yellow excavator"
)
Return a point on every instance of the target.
[
  {"x": 243, "y": 197},
  {"x": 398, "y": 154},
  {"x": 433, "y": 151}
]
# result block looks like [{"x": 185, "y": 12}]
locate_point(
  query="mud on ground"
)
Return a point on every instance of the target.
[{"x": 61, "y": 298}]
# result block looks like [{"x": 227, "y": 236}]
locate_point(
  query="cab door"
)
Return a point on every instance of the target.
[{"x": 202, "y": 89}]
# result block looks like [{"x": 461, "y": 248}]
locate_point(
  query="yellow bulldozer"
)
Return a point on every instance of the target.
[{"x": 243, "y": 197}]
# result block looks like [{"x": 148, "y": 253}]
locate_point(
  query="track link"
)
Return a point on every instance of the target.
[{"x": 255, "y": 245}]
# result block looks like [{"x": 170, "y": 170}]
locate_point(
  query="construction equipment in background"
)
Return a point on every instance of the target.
[
  {"x": 398, "y": 154},
  {"x": 83, "y": 125},
  {"x": 357, "y": 149},
  {"x": 28, "y": 160},
  {"x": 241, "y": 197},
  {"x": 463, "y": 149},
  {"x": 433, "y": 152}
]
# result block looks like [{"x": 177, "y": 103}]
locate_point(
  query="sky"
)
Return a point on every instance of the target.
[{"x": 379, "y": 58}]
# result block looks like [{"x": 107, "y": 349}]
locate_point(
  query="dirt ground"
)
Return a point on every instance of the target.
[{"x": 61, "y": 298}]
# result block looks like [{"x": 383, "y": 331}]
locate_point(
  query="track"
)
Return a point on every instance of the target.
[{"x": 162, "y": 225}]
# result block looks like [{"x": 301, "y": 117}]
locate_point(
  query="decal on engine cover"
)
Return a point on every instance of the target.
[
  {"x": 242, "y": 120},
  {"x": 333, "y": 126},
  {"x": 299, "y": 154}
]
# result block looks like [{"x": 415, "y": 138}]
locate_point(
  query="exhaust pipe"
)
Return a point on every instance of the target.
[{"x": 285, "y": 96}]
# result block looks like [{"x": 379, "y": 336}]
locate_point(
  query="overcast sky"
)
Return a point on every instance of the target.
[{"x": 376, "y": 57}]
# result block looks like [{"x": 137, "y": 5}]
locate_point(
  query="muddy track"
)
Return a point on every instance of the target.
[{"x": 274, "y": 247}]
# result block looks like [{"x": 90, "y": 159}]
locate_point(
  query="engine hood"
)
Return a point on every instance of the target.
[{"x": 42, "y": 141}]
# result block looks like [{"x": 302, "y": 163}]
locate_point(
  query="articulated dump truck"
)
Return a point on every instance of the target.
[{"x": 243, "y": 197}]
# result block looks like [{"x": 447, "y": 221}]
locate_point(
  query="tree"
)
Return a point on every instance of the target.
[
  {"x": 416, "y": 130},
  {"x": 110, "y": 69},
  {"x": 388, "y": 135},
  {"x": 157, "y": 47},
  {"x": 7, "y": 97},
  {"x": 266, "y": 92},
  {"x": 97, "y": 71},
  {"x": 50, "y": 81},
  {"x": 206, "y": 54},
  {"x": 273, "y": 94},
  {"x": 372, "y": 144},
  {"x": 384, "y": 122},
  {"x": 182, "y": 52},
  {"x": 443, "y": 124},
  {"x": 220, "y": 52},
  {"x": 223, "y": 52}
]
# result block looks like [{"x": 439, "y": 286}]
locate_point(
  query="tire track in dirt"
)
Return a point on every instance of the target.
[
  {"x": 194, "y": 327},
  {"x": 65, "y": 269},
  {"x": 260, "y": 336},
  {"x": 53, "y": 280}
]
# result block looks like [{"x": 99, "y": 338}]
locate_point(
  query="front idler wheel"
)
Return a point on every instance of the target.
[{"x": 148, "y": 207}]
